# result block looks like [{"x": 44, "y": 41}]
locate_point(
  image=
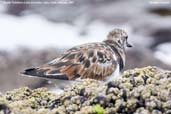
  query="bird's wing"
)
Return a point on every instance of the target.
[{"x": 94, "y": 61}]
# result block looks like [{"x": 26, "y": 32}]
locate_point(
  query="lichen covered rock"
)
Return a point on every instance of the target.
[{"x": 139, "y": 91}]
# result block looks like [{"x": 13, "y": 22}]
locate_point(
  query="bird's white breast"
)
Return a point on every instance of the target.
[{"x": 115, "y": 74}]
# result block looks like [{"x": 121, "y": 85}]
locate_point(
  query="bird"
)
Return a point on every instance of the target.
[{"x": 97, "y": 60}]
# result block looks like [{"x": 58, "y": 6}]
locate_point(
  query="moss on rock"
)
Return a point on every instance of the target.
[{"x": 142, "y": 90}]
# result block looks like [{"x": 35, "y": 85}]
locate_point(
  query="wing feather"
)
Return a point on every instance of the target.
[{"x": 86, "y": 61}]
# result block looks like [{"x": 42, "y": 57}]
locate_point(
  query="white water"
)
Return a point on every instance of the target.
[
  {"x": 163, "y": 53},
  {"x": 35, "y": 32}
]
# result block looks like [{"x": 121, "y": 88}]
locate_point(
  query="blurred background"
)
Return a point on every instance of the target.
[{"x": 33, "y": 32}]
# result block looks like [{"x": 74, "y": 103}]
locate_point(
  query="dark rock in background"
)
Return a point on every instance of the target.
[
  {"x": 16, "y": 10},
  {"x": 143, "y": 57},
  {"x": 161, "y": 11},
  {"x": 14, "y": 63},
  {"x": 161, "y": 36}
]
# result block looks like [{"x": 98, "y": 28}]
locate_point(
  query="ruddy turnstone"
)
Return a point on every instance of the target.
[{"x": 92, "y": 60}]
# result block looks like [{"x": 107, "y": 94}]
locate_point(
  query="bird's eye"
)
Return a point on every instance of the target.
[{"x": 126, "y": 37}]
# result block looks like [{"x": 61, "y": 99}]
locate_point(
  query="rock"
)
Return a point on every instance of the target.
[
  {"x": 141, "y": 90},
  {"x": 17, "y": 61},
  {"x": 161, "y": 35},
  {"x": 144, "y": 57},
  {"x": 161, "y": 11}
]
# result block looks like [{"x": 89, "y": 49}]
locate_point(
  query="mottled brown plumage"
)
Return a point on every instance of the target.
[{"x": 92, "y": 60}]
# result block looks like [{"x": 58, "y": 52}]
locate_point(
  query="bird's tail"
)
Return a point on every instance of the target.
[{"x": 43, "y": 73}]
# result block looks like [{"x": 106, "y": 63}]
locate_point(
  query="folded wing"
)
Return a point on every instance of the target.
[{"x": 94, "y": 61}]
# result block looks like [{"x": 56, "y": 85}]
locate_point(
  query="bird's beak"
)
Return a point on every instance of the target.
[{"x": 128, "y": 45}]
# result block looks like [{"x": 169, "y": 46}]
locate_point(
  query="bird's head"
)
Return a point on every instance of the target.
[{"x": 119, "y": 36}]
